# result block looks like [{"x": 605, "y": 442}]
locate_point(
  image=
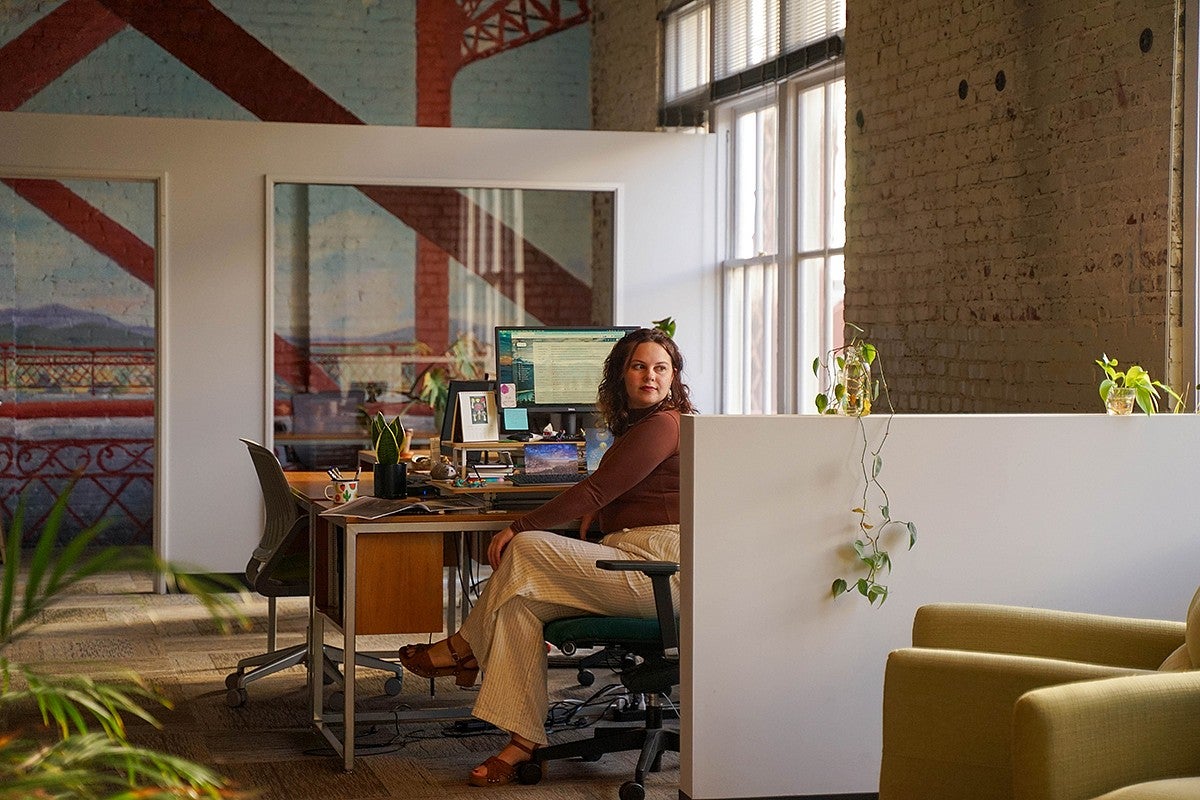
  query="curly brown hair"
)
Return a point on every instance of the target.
[{"x": 613, "y": 402}]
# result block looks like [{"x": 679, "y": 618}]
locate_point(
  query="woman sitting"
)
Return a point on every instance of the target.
[{"x": 541, "y": 576}]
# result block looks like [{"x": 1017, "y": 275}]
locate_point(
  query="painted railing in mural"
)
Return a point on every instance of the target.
[
  {"x": 115, "y": 481},
  {"x": 84, "y": 413},
  {"x": 92, "y": 370}
]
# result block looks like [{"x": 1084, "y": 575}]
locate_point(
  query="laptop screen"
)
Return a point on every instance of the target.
[{"x": 545, "y": 458}]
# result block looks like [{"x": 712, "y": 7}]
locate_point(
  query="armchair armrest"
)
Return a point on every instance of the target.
[
  {"x": 947, "y": 719},
  {"x": 660, "y": 573},
  {"x": 1073, "y": 636},
  {"x": 1080, "y": 740}
]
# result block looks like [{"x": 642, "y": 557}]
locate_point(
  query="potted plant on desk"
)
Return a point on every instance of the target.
[{"x": 390, "y": 440}]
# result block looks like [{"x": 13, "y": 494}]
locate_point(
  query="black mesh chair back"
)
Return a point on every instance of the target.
[{"x": 278, "y": 565}]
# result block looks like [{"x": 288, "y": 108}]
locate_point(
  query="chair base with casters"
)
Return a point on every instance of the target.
[
  {"x": 260, "y": 666},
  {"x": 656, "y": 641}
]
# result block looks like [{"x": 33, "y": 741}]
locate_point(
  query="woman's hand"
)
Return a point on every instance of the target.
[{"x": 497, "y": 545}]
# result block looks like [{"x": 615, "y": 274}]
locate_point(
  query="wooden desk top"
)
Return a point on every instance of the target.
[{"x": 309, "y": 487}]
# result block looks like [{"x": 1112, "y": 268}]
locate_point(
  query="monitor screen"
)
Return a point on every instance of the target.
[{"x": 552, "y": 369}]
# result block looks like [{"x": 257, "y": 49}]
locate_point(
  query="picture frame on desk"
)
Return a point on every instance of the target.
[
  {"x": 450, "y": 419},
  {"x": 476, "y": 417}
]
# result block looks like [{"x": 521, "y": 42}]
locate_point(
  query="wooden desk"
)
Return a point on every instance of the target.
[{"x": 373, "y": 576}]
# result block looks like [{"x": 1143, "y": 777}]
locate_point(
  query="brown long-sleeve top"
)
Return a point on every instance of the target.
[{"x": 636, "y": 484}]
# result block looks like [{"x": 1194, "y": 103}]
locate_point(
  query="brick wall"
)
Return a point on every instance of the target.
[
  {"x": 1001, "y": 240},
  {"x": 625, "y": 64}
]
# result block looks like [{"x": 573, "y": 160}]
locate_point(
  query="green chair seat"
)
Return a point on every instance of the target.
[{"x": 628, "y": 632}]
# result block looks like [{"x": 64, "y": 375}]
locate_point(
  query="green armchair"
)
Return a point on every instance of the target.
[{"x": 950, "y": 707}]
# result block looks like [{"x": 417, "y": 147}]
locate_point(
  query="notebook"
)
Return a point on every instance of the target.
[{"x": 551, "y": 458}]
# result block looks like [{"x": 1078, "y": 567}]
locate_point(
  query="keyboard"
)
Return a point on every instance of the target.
[{"x": 541, "y": 478}]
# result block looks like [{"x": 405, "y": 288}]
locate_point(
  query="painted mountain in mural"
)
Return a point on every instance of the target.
[{"x": 57, "y": 325}]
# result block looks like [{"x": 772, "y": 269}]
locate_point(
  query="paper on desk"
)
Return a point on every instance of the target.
[{"x": 377, "y": 507}]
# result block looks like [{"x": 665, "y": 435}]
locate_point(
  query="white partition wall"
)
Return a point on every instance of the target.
[
  {"x": 212, "y": 283},
  {"x": 782, "y": 686}
]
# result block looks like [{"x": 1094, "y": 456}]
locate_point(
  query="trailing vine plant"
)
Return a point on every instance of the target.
[{"x": 851, "y": 392}]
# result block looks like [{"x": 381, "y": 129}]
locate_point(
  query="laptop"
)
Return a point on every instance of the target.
[{"x": 550, "y": 462}]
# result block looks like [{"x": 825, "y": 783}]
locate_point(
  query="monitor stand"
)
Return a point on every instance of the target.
[{"x": 570, "y": 422}]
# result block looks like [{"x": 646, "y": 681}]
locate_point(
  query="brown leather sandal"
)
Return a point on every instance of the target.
[
  {"x": 498, "y": 771},
  {"x": 415, "y": 658}
]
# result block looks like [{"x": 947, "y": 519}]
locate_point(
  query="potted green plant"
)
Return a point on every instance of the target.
[
  {"x": 1121, "y": 389},
  {"x": 851, "y": 391},
  {"x": 848, "y": 370},
  {"x": 390, "y": 440}
]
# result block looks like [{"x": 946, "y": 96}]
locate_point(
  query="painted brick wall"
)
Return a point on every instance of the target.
[
  {"x": 1001, "y": 241},
  {"x": 625, "y": 64}
]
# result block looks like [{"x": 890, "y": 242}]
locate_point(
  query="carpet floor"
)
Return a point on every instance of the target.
[{"x": 114, "y": 624}]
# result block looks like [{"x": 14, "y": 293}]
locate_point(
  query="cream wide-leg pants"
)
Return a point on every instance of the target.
[{"x": 542, "y": 577}]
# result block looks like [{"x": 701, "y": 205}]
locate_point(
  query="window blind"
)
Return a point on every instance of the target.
[
  {"x": 809, "y": 21},
  {"x": 685, "y": 51},
  {"x": 730, "y": 46},
  {"x": 745, "y": 33}
]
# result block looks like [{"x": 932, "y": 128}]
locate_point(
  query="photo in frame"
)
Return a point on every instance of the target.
[{"x": 477, "y": 418}]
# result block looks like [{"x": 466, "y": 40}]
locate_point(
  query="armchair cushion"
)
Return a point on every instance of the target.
[
  {"x": 1073, "y": 636},
  {"x": 1077, "y": 741}
]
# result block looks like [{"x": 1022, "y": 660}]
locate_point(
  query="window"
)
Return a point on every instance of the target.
[{"x": 782, "y": 115}]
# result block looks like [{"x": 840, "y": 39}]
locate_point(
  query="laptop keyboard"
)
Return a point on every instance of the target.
[{"x": 539, "y": 478}]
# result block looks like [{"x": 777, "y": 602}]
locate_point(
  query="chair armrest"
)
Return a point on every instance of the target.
[
  {"x": 947, "y": 719},
  {"x": 1080, "y": 740},
  {"x": 660, "y": 573},
  {"x": 648, "y": 567},
  {"x": 1094, "y": 638}
]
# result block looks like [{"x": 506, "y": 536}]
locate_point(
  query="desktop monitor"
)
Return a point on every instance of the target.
[{"x": 553, "y": 369}]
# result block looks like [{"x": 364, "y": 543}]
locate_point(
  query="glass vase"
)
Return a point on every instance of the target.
[
  {"x": 1120, "y": 401},
  {"x": 856, "y": 378}
]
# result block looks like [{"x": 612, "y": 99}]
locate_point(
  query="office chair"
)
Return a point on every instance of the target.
[
  {"x": 278, "y": 568},
  {"x": 656, "y": 641}
]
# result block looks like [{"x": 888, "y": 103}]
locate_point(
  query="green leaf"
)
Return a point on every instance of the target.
[
  {"x": 886, "y": 513},
  {"x": 863, "y": 587},
  {"x": 817, "y": 366},
  {"x": 1145, "y": 400},
  {"x": 868, "y": 352},
  {"x": 877, "y": 592},
  {"x": 822, "y": 403},
  {"x": 1106, "y": 386},
  {"x": 841, "y": 362},
  {"x": 876, "y": 465},
  {"x": 912, "y": 534},
  {"x": 839, "y": 587},
  {"x": 839, "y": 391}
]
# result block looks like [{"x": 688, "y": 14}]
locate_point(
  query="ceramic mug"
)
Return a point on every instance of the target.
[{"x": 342, "y": 491}]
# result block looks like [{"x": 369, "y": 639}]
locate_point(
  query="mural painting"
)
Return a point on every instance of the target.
[{"x": 76, "y": 320}]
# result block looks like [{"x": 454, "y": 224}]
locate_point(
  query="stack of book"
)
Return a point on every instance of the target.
[{"x": 489, "y": 473}]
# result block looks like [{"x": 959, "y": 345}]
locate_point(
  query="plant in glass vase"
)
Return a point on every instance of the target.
[
  {"x": 1121, "y": 389},
  {"x": 851, "y": 392}
]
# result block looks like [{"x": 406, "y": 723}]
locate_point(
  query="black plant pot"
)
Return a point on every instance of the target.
[{"x": 391, "y": 481}]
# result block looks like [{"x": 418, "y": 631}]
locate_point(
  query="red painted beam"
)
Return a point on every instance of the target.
[
  {"x": 439, "y": 24},
  {"x": 73, "y": 409},
  {"x": 233, "y": 61},
  {"x": 437, "y": 213},
  {"x": 90, "y": 224},
  {"x": 49, "y": 47}
]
